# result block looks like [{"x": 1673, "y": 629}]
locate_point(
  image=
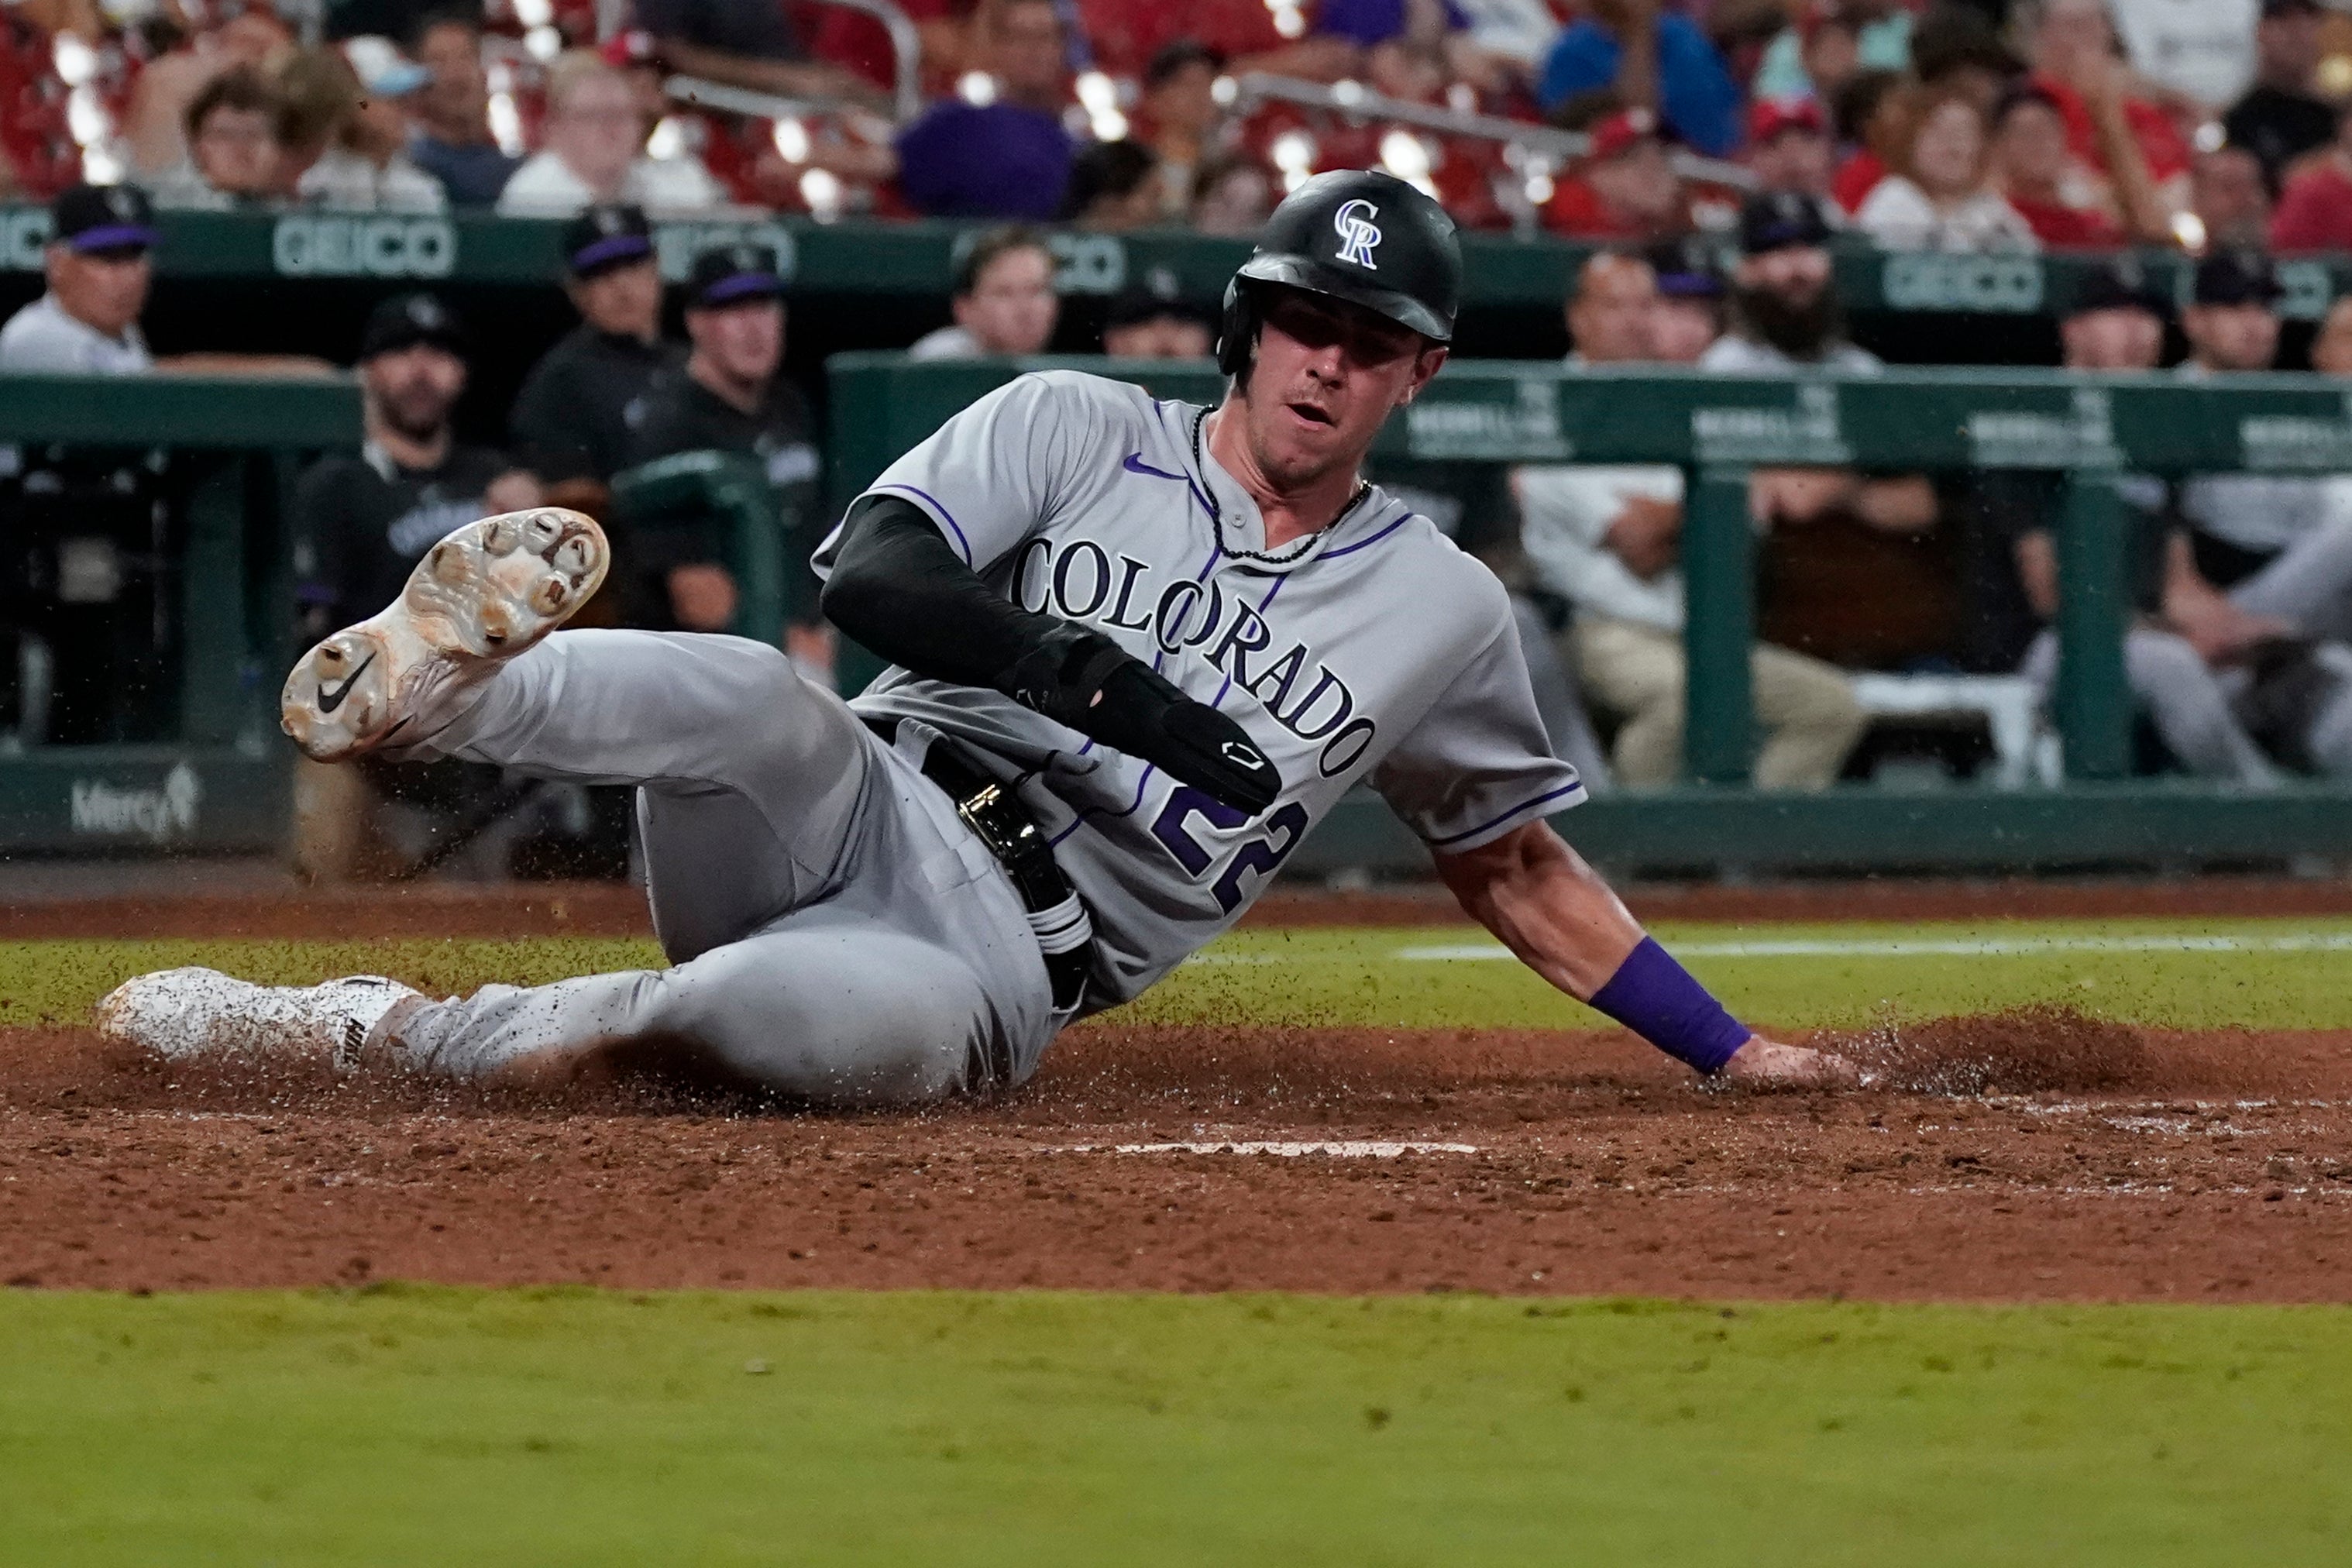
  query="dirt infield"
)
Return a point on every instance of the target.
[{"x": 2024, "y": 1157}]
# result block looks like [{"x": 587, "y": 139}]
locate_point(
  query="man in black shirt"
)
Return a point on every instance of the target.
[
  {"x": 361, "y": 522},
  {"x": 2281, "y": 118},
  {"x": 571, "y": 419},
  {"x": 727, "y": 397}
]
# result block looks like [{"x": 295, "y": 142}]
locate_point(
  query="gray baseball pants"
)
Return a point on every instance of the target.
[{"x": 834, "y": 931}]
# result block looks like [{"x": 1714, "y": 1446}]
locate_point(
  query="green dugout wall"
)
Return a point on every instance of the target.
[{"x": 2088, "y": 428}]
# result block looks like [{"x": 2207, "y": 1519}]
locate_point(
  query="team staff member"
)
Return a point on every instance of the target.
[
  {"x": 1143, "y": 646},
  {"x": 99, "y": 267},
  {"x": 571, "y": 420},
  {"x": 363, "y": 521},
  {"x": 726, "y": 397}
]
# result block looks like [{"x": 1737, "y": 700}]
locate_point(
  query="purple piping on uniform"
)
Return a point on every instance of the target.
[
  {"x": 945, "y": 516},
  {"x": 1367, "y": 543},
  {"x": 1219, "y": 701},
  {"x": 1496, "y": 822}
]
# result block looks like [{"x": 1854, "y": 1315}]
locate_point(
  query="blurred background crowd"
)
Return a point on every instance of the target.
[{"x": 1949, "y": 124}]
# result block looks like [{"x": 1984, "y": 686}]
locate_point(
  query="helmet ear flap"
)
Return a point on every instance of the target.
[{"x": 1237, "y": 335}]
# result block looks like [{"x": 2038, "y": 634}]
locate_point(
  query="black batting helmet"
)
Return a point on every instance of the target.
[{"x": 1356, "y": 234}]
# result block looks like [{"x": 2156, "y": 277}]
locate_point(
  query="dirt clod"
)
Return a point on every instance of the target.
[{"x": 2024, "y": 1050}]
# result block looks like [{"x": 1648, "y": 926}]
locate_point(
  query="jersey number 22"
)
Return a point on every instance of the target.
[{"x": 1284, "y": 828}]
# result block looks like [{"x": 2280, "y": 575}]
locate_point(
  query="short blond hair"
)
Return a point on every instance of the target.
[{"x": 573, "y": 69}]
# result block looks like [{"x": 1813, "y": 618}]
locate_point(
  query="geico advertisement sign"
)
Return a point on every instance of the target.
[{"x": 333, "y": 245}]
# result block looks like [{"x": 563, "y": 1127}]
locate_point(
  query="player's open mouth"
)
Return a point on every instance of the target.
[{"x": 1311, "y": 413}]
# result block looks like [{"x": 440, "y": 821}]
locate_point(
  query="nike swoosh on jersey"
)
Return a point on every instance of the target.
[{"x": 1136, "y": 465}]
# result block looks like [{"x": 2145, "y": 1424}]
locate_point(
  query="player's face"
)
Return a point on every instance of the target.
[
  {"x": 745, "y": 343},
  {"x": 622, "y": 300},
  {"x": 2122, "y": 339},
  {"x": 1326, "y": 377},
  {"x": 412, "y": 389},
  {"x": 1616, "y": 302},
  {"x": 2232, "y": 337},
  {"x": 1682, "y": 330},
  {"x": 107, "y": 290}
]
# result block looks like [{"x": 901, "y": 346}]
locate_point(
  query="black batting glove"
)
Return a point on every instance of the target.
[{"x": 1084, "y": 679}]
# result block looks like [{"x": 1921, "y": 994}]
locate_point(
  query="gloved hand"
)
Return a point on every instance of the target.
[{"x": 1084, "y": 679}]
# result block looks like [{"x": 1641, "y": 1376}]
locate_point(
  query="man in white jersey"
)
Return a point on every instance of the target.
[{"x": 1141, "y": 648}]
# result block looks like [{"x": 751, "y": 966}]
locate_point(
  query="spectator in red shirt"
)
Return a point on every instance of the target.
[
  {"x": 2034, "y": 169},
  {"x": 2315, "y": 212},
  {"x": 1625, "y": 187},
  {"x": 2076, "y": 62}
]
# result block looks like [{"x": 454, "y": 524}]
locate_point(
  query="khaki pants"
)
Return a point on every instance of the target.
[{"x": 1807, "y": 707}]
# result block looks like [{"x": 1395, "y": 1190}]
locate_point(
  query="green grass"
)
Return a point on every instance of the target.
[
  {"x": 409, "y": 1425},
  {"x": 1336, "y": 976}
]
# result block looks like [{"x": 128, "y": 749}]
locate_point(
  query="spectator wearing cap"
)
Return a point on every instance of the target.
[
  {"x": 2232, "y": 322},
  {"x": 2314, "y": 211},
  {"x": 232, "y": 156},
  {"x": 2114, "y": 322},
  {"x": 594, "y": 152},
  {"x": 727, "y": 397},
  {"x": 1788, "y": 148},
  {"x": 1625, "y": 187},
  {"x": 571, "y": 420},
  {"x": 1654, "y": 58},
  {"x": 1180, "y": 120},
  {"x": 364, "y": 520},
  {"x": 2035, "y": 174},
  {"x": 2281, "y": 118},
  {"x": 1003, "y": 299},
  {"x": 340, "y": 145},
  {"x": 1937, "y": 195},
  {"x": 1784, "y": 309},
  {"x": 1607, "y": 540},
  {"x": 98, "y": 267},
  {"x": 1687, "y": 314},
  {"x": 1001, "y": 152},
  {"x": 1153, "y": 320},
  {"x": 452, "y": 141},
  {"x": 1865, "y": 580}
]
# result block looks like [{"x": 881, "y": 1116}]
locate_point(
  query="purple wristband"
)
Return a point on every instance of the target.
[{"x": 1657, "y": 999}]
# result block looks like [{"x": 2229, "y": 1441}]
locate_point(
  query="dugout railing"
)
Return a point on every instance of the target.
[
  {"x": 225, "y": 454},
  {"x": 2086, "y": 428}
]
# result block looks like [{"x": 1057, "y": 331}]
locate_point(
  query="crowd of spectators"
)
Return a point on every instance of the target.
[{"x": 1957, "y": 125}]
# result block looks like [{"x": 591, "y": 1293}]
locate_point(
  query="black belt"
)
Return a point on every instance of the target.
[{"x": 999, "y": 820}]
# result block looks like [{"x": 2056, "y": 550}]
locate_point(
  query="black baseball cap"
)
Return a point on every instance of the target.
[
  {"x": 1156, "y": 294},
  {"x": 607, "y": 235},
  {"x": 2238, "y": 276},
  {"x": 730, "y": 274},
  {"x": 94, "y": 220},
  {"x": 1686, "y": 269},
  {"x": 2117, "y": 283},
  {"x": 1778, "y": 220},
  {"x": 406, "y": 321}
]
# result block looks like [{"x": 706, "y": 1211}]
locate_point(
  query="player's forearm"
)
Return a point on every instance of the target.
[
  {"x": 1544, "y": 903},
  {"x": 897, "y": 588},
  {"x": 1557, "y": 915}
]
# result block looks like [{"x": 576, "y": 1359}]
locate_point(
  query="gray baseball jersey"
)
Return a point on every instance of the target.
[{"x": 1371, "y": 650}]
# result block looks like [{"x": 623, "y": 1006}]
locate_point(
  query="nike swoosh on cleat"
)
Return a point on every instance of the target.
[{"x": 331, "y": 701}]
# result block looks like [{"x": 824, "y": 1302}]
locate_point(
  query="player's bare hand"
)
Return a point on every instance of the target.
[{"x": 1793, "y": 1067}]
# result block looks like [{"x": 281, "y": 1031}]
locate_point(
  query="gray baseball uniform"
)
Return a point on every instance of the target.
[{"x": 838, "y": 933}]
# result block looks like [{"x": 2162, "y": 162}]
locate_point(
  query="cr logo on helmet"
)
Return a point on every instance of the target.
[{"x": 1357, "y": 233}]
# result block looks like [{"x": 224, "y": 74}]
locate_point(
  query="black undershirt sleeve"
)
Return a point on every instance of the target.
[{"x": 897, "y": 588}]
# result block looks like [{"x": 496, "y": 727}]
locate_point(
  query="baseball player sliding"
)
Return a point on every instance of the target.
[{"x": 1140, "y": 648}]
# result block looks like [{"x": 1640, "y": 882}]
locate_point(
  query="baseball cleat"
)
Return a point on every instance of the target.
[
  {"x": 485, "y": 593},
  {"x": 182, "y": 1014}
]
